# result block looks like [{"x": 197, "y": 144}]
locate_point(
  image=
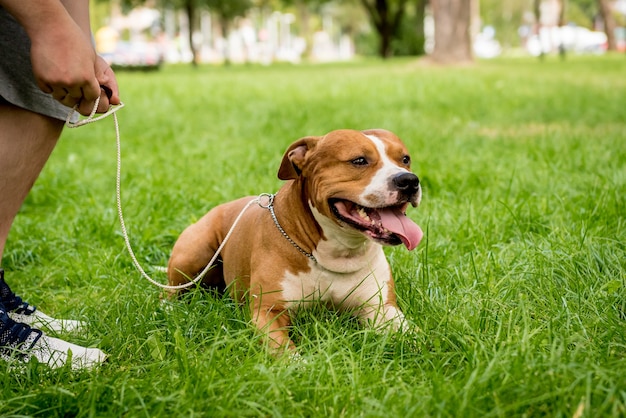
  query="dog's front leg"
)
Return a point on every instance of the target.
[
  {"x": 273, "y": 322},
  {"x": 383, "y": 316}
]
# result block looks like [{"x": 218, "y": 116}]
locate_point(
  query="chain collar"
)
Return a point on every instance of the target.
[{"x": 266, "y": 201}]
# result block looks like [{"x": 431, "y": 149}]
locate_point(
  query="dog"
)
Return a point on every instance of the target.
[{"x": 319, "y": 238}]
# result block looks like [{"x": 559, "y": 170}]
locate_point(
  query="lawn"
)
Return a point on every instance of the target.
[{"x": 518, "y": 288}]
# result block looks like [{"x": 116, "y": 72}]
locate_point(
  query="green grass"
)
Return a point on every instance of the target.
[{"x": 519, "y": 288}]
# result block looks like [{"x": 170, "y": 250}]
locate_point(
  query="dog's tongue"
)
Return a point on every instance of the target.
[{"x": 397, "y": 222}]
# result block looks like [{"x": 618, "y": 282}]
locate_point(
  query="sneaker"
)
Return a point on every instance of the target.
[
  {"x": 21, "y": 311},
  {"x": 20, "y": 342}
]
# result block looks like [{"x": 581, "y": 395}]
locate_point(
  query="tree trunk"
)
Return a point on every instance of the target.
[
  {"x": 561, "y": 24},
  {"x": 225, "y": 26},
  {"x": 537, "y": 27},
  {"x": 609, "y": 24},
  {"x": 305, "y": 15},
  {"x": 475, "y": 23},
  {"x": 453, "y": 43},
  {"x": 190, "y": 9},
  {"x": 386, "y": 21},
  {"x": 384, "y": 48}
]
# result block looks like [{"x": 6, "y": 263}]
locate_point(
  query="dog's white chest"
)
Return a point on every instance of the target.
[{"x": 366, "y": 286}]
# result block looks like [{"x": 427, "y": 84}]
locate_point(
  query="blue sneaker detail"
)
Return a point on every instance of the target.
[
  {"x": 12, "y": 302},
  {"x": 23, "y": 312},
  {"x": 16, "y": 338}
]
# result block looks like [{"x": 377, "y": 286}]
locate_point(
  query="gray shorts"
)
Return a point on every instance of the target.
[{"x": 17, "y": 83}]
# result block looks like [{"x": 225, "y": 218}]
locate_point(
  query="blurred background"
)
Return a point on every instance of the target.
[{"x": 147, "y": 33}]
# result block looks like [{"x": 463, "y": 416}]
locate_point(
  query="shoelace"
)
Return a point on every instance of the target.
[
  {"x": 15, "y": 334},
  {"x": 11, "y": 301}
]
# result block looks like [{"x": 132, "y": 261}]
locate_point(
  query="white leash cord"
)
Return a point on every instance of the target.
[{"x": 118, "y": 196}]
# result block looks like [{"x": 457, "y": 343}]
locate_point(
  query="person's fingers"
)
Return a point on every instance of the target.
[
  {"x": 104, "y": 103},
  {"x": 75, "y": 93},
  {"x": 59, "y": 94},
  {"x": 107, "y": 80},
  {"x": 63, "y": 96},
  {"x": 46, "y": 88},
  {"x": 90, "y": 91},
  {"x": 80, "y": 94},
  {"x": 85, "y": 108},
  {"x": 112, "y": 92}
]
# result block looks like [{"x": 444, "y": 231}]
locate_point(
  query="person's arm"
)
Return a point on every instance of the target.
[
  {"x": 63, "y": 58},
  {"x": 79, "y": 10}
]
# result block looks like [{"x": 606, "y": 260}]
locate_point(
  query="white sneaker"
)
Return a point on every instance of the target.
[
  {"x": 39, "y": 319},
  {"x": 20, "y": 342},
  {"x": 56, "y": 353}
]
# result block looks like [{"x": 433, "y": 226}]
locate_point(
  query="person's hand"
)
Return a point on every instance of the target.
[
  {"x": 106, "y": 77},
  {"x": 66, "y": 66}
]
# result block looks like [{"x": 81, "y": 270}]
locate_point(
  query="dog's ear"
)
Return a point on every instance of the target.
[{"x": 291, "y": 166}]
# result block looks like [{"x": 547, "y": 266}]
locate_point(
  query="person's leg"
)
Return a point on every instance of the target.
[{"x": 26, "y": 141}]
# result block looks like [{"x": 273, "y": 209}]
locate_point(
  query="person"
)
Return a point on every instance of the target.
[{"x": 48, "y": 65}]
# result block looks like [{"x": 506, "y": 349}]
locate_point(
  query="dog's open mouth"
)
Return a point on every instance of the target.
[{"x": 388, "y": 225}]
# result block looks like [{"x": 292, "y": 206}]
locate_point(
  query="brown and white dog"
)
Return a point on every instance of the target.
[{"x": 320, "y": 236}]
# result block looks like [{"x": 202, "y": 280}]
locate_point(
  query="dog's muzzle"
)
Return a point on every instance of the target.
[{"x": 408, "y": 187}]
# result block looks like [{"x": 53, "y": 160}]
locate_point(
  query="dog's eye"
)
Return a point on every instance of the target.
[
  {"x": 359, "y": 161},
  {"x": 406, "y": 160}
]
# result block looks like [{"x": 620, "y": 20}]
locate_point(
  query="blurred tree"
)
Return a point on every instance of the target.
[
  {"x": 609, "y": 23},
  {"x": 226, "y": 12},
  {"x": 506, "y": 17},
  {"x": 189, "y": 6},
  {"x": 453, "y": 43},
  {"x": 386, "y": 17},
  {"x": 587, "y": 13},
  {"x": 582, "y": 12},
  {"x": 411, "y": 37},
  {"x": 351, "y": 19},
  {"x": 305, "y": 9},
  {"x": 420, "y": 15},
  {"x": 537, "y": 27},
  {"x": 561, "y": 22}
]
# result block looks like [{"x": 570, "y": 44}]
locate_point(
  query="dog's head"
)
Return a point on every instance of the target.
[{"x": 361, "y": 180}]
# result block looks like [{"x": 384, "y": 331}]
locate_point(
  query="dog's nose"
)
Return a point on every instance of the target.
[{"x": 407, "y": 183}]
